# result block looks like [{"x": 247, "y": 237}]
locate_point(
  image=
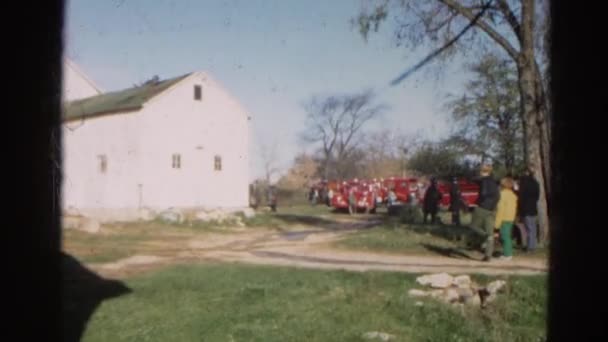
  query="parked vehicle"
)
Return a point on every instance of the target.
[
  {"x": 365, "y": 195},
  {"x": 469, "y": 192}
]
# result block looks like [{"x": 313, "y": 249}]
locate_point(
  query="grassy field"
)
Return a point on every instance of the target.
[
  {"x": 393, "y": 236},
  {"x": 253, "y": 303},
  {"x": 121, "y": 240},
  {"x": 294, "y": 217},
  {"x": 406, "y": 239}
]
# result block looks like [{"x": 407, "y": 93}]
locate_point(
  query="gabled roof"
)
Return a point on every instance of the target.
[{"x": 127, "y": 100}]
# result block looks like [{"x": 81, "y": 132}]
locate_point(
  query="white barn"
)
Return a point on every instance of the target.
[{"x": 179, "y": 144}]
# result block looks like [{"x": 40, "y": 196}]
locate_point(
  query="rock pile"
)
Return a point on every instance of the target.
[
  {"x": 460, "y": 290},
  {"x": 218, "y": 216}
]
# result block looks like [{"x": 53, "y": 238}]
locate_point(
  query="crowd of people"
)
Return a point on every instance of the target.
[{"x": 500, "y": 206}]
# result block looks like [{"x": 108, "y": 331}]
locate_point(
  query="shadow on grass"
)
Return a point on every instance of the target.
[
  {"x": 309, "y": 220},
  {"x": 449, "y": 252},
  {"x": 83, "y": 292},
  {"x": 451, "y": 233},
  {"x": 329, "y": 224}
]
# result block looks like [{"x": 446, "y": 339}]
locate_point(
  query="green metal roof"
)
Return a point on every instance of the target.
[{"x": 116, "y": 102}]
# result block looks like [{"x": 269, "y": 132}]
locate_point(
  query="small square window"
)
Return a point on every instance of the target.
[
  {"x": 217, "y": 163},
  {"x": 176, "y": 161},
  {"x": 198, "y": 92},
  {"x": 103, "y": 163}
]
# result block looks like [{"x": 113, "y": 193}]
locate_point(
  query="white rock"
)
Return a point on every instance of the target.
[
  {"x": 202, "y": 216},
  {"x": 417, "y": 293},
  {"x": 438, "y": 281},
  {"x": 490, "y": 299},
  {"x": 474, "y": 286},
  {"x": 473, "y": 301},
  {"x": 249, "y": 213},
  {"x": 465, "y": 293},
  {"x": 382, "y": 336},
  {"x": 462, "y": 281},
  {"x": 436, "y": 294},
  {"x": 495, "y": 286},
  {"x": 171, "y": 216},
  {"x": 451, "y": 295}
]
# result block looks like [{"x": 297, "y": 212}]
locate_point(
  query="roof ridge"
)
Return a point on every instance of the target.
[{"x": 124, "y": 100}]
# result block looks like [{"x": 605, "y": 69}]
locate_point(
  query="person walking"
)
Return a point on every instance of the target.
[
  {"x": 506, "y": 211},
  {"x": 529, "y": 195},
  {"x": 484, "y": 215}
]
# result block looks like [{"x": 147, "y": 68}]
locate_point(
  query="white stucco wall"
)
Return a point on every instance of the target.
[
  {"x": 76, "y": 85},
  {"x": 174, "y": 123},
  {"x": 85, "y": 186},
  {"x": 139, "y": 148}
]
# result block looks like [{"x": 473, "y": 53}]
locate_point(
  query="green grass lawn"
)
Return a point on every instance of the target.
[
  {"x": 405, "y": 240},
  {"x": 393, "y": 236},
  {"x": 293, "y": 217},
  {"x": 254, "y": 303}
]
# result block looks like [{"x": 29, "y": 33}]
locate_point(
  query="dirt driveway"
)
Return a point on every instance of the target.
[{"x": 307, "y": 247}]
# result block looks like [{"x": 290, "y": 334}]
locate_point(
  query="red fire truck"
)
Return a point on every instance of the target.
[
  {"x": 403, "y": 189},
  {"x": 365, "y": 192},
  {"x": 468, "y": 190}
]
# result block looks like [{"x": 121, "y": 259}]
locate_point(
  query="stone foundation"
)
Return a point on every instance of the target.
[{"x": 106, "y": 215}]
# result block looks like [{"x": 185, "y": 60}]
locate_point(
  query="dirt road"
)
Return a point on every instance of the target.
[{"x": 311, "y": 248}]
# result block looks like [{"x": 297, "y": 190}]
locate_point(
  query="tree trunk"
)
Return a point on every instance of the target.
[
  {"x": 535, "y": 147},
  {"x": 543, "y": 122}
]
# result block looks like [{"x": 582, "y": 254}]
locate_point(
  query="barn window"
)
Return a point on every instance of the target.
[
  {"x": 217, "y": 163},
  {"x": 176, "y": 161},
  {"x": 103, "y": 163},
  {"x": 198, "y": 92}
]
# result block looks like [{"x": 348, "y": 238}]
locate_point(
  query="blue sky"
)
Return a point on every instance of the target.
[{"x": 271, "y": 54}]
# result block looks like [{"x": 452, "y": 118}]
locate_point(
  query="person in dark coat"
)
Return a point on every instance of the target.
[
  {"x": 432, "y": 197},
  {"x": 484, "y": 215},
  {"x": 529, "y": 194},
  {"x": 456, "y": 201}
]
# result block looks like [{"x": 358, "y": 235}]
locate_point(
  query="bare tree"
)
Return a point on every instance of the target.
[
  {"x": 514, "y": 27},
  {"x": 268, "y": 155},
  {"x": 386, "y": 153},
  {"x": 335, "y": 123}
]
